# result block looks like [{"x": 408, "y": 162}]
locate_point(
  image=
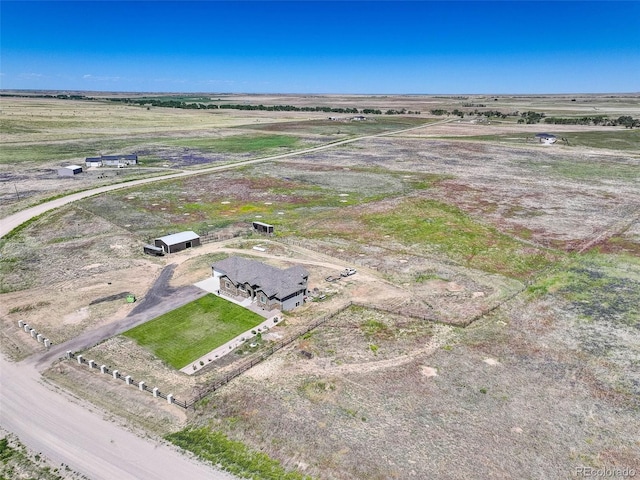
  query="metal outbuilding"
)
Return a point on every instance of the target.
[
  {"x": 546, "y": 138},
  {"x": 69, "y": 171},
  {"x": 262, "y": 227},
  {"x": 93, "y": 162},
  {"x": 177, "y": 241}
]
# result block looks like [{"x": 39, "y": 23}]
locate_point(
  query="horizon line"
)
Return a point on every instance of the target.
[{"x": 167, "y": 92}]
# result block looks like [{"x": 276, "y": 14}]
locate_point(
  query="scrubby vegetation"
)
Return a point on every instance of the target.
[{"x": 232, "y": 456}]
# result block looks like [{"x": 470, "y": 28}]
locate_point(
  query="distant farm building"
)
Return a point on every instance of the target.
[
  {"x": 269, "y": 287},
  {"x": 262, "y": 227},
  {"x": 177, "y": 241},
  {"x": 69, "y": 171},
  {"x": 93, "y": 162},
  {"x": 111, "y": 160},
  {"x": 546, "y": 138}
]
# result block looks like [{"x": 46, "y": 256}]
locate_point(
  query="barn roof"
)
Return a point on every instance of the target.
[
  {"x": 177, "y": 238},
  {"x": 545, "y": 135},
  {"x": 120, "y": 157},
  {"x": 273, "y": 281}
]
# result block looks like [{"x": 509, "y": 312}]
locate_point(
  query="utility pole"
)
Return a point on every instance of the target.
[{"x": 17, "y": 194}]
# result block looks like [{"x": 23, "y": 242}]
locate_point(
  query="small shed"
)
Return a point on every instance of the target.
[
  {"x": 546, "y": 138},
  {"x": 153, "y": 250},
  {"x": 69, "y": 171},
  {"x": 177, "y": 241},
  {"x": 262, "y": 227}
]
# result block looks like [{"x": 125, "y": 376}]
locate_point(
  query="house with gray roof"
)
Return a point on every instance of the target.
[
  {"x": 111, "y": 160},
  {"x": 269, "y": 287}
]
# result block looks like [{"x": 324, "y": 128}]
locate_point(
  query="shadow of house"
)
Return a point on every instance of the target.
[{"x": 269, "y": 287}]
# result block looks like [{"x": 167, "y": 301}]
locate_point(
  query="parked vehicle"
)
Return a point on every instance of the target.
[{"x": 348, "y": 272}]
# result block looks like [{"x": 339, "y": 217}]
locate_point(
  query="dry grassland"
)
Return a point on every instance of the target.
[{"x": 538, "y": 244}]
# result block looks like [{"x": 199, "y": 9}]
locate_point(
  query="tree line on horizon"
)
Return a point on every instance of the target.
[{"x": 529, "y": 117}]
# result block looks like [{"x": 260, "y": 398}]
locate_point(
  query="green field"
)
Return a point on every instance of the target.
[
  {"x": 237, "y": 143},
  {"x": 186, "y": 333},
  {"x": 616, "y": 138},
  {"x": 328, "y": 127},
  {"x": 450, "y": 231},
  {"x": 83, "y": 148},
  {"x": 233, "y": 456}
]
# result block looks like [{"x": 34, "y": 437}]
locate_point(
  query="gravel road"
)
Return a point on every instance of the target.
[
  {"x": 66, "y": 431},
  {"x": 12, "y": 221}
]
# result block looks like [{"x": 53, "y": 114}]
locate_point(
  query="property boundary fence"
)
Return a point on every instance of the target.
[
  {"x": 215, "y": 236},
  {"x": 38, "y": 337},
  {"x": 140, "y": 385},
  {"x": 394, "y": 308},
  {"x": 215, "y": 385},
  {"x": 346, "y": 258},
  {"x": 251, "y": 362}
]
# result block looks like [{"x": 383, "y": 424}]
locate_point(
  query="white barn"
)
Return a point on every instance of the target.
[
  {"x": 546, "y": 138},
  {"x": 69, "y": 171}
]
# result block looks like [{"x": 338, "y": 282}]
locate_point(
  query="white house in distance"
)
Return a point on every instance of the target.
[
  {"x": 69, "y": 170},
  {"x": 111, "y": 160},
  {"x": 546, "y": 138}
]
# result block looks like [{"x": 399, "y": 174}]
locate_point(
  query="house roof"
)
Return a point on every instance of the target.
[
  {"x": 119, "y": 157},
  {"x": 93, "y": 159},
  {"x": 273, "y": 281},
  {"x": 176, "y": 238}
]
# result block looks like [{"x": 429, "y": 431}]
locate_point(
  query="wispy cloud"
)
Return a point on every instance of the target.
[
  {"x": 217, "y": 82},
  {"x": 101, "y": 78},
  {"x": 31, "y": 76}
]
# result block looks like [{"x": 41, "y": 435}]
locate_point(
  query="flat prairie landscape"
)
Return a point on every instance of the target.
[{"x": 492, "y": 329}]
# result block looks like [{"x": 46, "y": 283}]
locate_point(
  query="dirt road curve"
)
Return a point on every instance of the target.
[
  {"x": 67, "y": 432},
  {"x": 12, "y": 221}
]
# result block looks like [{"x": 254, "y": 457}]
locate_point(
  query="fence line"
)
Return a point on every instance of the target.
[
  {"x": 394, "y": 308},
  {"x": 125, "y": 378},
  {"x": 214, "y": 236},
  {"x": 212, "y": 387},
  {"x": 338, "y": 255},
  {"x": 251, "y": 362}
]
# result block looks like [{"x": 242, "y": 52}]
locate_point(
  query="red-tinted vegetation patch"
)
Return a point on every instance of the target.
[{"x": 619, "y": 245}]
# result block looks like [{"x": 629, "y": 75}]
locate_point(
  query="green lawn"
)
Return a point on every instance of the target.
[{"x": 185, "y": 334}]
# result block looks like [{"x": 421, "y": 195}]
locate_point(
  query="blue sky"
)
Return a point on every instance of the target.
[{"x": 322, "y": 47}]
